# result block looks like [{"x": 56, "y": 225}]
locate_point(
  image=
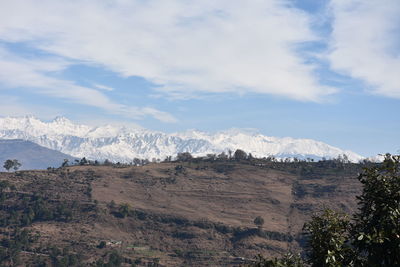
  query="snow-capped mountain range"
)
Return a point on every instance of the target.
[{"x": 123, "y": 144}]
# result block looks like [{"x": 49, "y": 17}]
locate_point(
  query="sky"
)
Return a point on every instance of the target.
[{"x": 325, "y": 70}]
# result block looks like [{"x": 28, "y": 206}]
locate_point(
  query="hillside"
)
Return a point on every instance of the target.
[
  {"x": 197, "y": 213},
  {"x": 121, "y": 144},
  {"x": 30, "y": 155}
]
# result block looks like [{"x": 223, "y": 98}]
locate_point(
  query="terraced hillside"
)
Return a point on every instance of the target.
[{"x": 197, "y": 213}]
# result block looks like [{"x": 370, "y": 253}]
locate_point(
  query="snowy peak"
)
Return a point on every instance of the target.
[
  {"x": 33, "y": 126},
  {"x": 63, "y": 126},
  {"x": 61, "y": 120},
  {"x": 104, "y": 131},
  {"x": 122, "y": 144}
]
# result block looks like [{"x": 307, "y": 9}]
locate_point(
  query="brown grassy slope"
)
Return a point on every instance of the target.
[{"x": 188, "y": 213}]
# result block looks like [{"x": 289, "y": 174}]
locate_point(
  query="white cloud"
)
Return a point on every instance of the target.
[
  {"x": 186, "y": 47},
  {"x": 103, "y": 87},
  {"x": 365, "y": 43},
  {"x": 31, "y": 73}
]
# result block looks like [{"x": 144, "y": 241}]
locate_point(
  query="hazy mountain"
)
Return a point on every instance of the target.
[
  {"x": 30, "y": 155},
  {"x": 123, "y": 144}
]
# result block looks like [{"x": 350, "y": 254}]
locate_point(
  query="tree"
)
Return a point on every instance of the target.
[
  {"x": 240, "y": 154},
  {"x": 16, "y": 165},
  {"x": 136, "y": 161},
  {"x": 124, "y": 210},
  {"x": 12, "y": 163},
  {"x": 8, "y": 164},
  {"x": 185, "y": 156},
  {"x": 102, "y": 244},
  {"x": 115, "y": 259},
  {"x": 222, "y": 156},
  {"x": 327, "y": 243},
  {"x": 376, "y": 231},
  {"x": 65, "y": 163},
  {"x": 83, "y": 161},
  {"x": 259, "y": 221},
  {"x": 4, "y": 185}
]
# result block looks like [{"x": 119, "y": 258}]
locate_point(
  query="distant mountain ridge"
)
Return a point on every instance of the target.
[
  {"x": 30, "y": 155},
  {"x": 123, "y": 144}
]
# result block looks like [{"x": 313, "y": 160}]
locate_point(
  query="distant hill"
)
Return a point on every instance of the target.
[
  {"x": 123, "y": 144},
  {"x": 196, "y": 213},
  {"x": 30, "y": 155}
]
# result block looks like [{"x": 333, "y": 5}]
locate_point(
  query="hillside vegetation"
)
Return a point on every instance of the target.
[{"x": 188, "y": 213}]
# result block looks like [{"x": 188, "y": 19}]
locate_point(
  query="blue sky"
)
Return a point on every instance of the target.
[{"x": 326, "y": 70}]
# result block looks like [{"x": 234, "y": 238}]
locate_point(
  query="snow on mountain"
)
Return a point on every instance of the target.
[
  {"x": 122, "y": 144},
  {"x": 376, "y": 158}
]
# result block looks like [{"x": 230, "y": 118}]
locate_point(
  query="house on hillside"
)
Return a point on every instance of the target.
[{"x": 114, "y": 243}]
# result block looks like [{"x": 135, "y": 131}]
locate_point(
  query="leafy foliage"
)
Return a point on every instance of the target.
[
  {"x": 12, "y": 246},
  {"x": 327, "y": 240},
  {"x": 64, "y": 258},
  {"x": 259, "y": 221},
  {"x": 240, "y": 155},
  {"x": 12, "y": 164},
  {"x": 185, "y": 156},
  {"x": 114, "y": 260},
  {"x": 27, "y": 210},
  {"x": 124, "y": 210},
  {"x": 376, "y": 231}
]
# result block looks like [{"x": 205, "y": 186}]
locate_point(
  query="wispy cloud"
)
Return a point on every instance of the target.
[
  {"x": 190, "y": 48},
  {"x": 103, "y": 87},
  {"x": 16, "y": 71},
  {"x": 185, "y": 47},
  {"x": 365, "y": 43}
]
